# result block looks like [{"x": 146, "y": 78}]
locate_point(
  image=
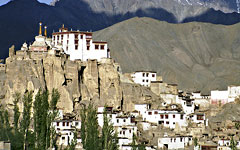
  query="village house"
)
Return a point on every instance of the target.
[
  {"x": 144, "y": 77},
  {"x": 65, "y": 130},
  {"x": 80, "y": 45},
  {"x": 174, "y": 142}
]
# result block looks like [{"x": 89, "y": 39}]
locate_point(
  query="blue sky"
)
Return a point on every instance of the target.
[{"x": 2, "y": 2}]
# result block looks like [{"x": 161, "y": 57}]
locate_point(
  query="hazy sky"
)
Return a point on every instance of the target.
[{"x": 42, "y": 1}]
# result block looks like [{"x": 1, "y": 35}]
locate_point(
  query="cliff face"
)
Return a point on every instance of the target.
[{"x": 78, "y": 82}]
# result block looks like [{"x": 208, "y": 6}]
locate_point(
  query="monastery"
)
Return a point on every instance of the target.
[{"x": 181, "y": 121}]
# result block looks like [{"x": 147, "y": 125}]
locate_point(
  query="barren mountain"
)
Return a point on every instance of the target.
[{"x": 197, "y": 56}]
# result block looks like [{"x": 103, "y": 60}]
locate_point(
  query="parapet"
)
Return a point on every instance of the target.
[{"x": 2, "y": 67}]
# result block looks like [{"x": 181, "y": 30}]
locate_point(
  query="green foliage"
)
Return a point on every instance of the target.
[
  {"x": 195, "y": 141},
  {"x": 237, "y": 125},
  {"x": 133, "y": 144},
  {"x": 92, "y": 133},
  {"x": 27, "y": 103},
  {"x": 16, "y": 111},
  {"x": 83, "y": 113},
  {"x": 109, "y": 137},
  {"x": 233, "y": 144},
  {"x": 44, "y": 112}
]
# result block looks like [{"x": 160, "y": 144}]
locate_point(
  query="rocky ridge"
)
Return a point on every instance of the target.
[{"x": 78, "y": 82}]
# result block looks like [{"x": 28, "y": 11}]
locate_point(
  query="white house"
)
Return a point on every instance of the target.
[
  {"x": 233, "y": 92},
  {"x": 188, "y": 104},
  {"x": 167, "y": 118},
  {"x": 144, "y": 77},
  {"x": 80, "y": 45},
  {"x": 225, "y": 144},
  {"x": 219, "y": 97},
  {"x": 65, "y": 130},
  {"x": 174, "y": 142}
]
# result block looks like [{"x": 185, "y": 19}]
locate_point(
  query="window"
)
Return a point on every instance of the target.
[
  {"x": 173, "y": 116},
  {"x": 130, "y": 131},
  {"x": 161, "y": 116},
  {"x": 143, "y": 80},
  {"x": 76, "y": 41},
  {"x": 76, "y": 47},
  {"x": 88, "y": 42},
  {"x": 63, "y": 138},
  {"x": 57, "y": 123},
  {"x": 76, "y": 36},
  {"x": 155, "y": 112},
  {"x": 102, "y": 47},
  {"x": 147, "y": 74},
  {"x": 146, "y": 80},
  {"x": 200, "y": 117},
  {"x": 143, "y": 74},
  {"x": 181, "y": 116},
  {"x": 67, "y": 123},
  {"x": 63, "y": 123},
  {"x": 124, "y": 120},
  {"x": 88, "y": 47},
  {"x": 120, "y": 132},
  {"x": 153, "y": 75},
  {"x": 76, "y": 123},
  {"x": 96, "y": 47},
  {"x": 173, "y": 122},
  {"x": 181, "y": 139},
  {"x": 167, "y": 122},
  {"x": 123, "y": 132},
  {"x": 149, "y": 113},
  {"x": 166, "y": 116},
  {"x": 117, "y": 121},
  {"x": 81, "y": 36}
]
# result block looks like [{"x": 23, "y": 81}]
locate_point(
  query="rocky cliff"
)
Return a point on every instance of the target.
[{"x": 78, "y": 82}]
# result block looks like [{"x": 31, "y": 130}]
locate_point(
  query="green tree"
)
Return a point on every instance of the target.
[
  {"x": 133, "y": 144},
  {"x": 44, "y": 114},
  {"x": 92, "y": 133},
  {"x": 89, "y": 128},
  {"x": 53, "y": 113},
  {"x": 83, "y": 112},
  {"x": 27, "y": 103},
  {"x": 16, "y": 111},
  {"x": 233, "y": 144},
  {"x": 109, "y": 136}
]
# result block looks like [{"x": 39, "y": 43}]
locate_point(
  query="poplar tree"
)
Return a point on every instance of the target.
[
  {"x": 92, "y": 133},
  {"x": 83, "y": 112},
  {"x": 109, "y": 136},
  {"x": 27, "y": 102},
  {"x": 44, "y": 114}
]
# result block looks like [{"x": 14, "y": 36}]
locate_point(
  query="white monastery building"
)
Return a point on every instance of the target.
[
  {"x": 80, "y": 45},
  {"x": 144, "y": 77}
]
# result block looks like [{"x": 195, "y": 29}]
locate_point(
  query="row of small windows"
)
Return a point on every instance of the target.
[
  {"x": 181, "y": 139},
  {"x": 123, "y": 132},
  {"x": 147, "y": 74},
  {"x": 162, "y": 116},
  {"x": 66, "y": 124},
  {"x": 144, "y": 80},
  {"x": 61, "y": 37}
]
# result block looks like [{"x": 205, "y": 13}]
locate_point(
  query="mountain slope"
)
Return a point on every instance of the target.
[
  {"x": 19, "y": 18},
  {"x": 197, "y": 56}
]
